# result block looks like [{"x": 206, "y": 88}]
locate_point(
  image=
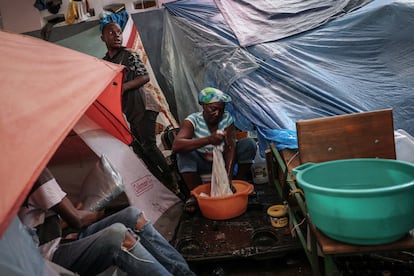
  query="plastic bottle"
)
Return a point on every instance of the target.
[{"x": 259, "y": 169}]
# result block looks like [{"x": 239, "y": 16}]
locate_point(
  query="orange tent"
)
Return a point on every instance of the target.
[{"x": 45, "y": 89}]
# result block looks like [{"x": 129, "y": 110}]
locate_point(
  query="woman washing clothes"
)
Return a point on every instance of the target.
[{"x": 203, "y": 130}]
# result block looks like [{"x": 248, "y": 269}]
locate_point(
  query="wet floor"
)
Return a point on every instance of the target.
[
  {"x": 294, "y": 263},
  {"x": 245, "y": 245}
]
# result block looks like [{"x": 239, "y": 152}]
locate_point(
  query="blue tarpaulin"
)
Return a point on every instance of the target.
[{"x": 344, "y": 61}]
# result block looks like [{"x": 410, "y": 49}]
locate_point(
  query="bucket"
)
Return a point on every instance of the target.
[
  {"x": 278, "y": 215},
  {"x": 365, "y": 201},
  {"x": 223, "y": 207}
]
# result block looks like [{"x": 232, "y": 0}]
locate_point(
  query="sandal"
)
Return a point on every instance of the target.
[{"x": 190, "y": 206}]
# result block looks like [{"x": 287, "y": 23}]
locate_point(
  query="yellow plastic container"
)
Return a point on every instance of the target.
[{"x": 278, "y": 215}]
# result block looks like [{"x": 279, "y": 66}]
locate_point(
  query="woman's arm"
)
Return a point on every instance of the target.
[{"x": 184, "y": 141}]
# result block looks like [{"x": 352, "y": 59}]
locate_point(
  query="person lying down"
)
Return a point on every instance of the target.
[{"x": 125, "y": 239}]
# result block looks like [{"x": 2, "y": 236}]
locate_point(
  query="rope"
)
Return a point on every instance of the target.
[{"x": 296, "y": 225}]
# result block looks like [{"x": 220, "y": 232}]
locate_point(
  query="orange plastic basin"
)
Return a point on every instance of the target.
[{"x": 224, "y": 207}]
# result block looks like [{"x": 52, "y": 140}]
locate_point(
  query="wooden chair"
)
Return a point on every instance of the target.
[{"x": 367, "y": 134}]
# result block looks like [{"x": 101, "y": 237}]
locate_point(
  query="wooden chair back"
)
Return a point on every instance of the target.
[{"x": 358, "y": 135}]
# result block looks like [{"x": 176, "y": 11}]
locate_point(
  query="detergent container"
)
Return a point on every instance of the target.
[{"x": 259, "y": 169}]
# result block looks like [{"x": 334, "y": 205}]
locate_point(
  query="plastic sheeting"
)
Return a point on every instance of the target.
[
  {"x": 273, "y": 20},
  {"x": 360, "y": 61},
  {"x": 195, "y": 55},
  {"x": 142, "y": 188}
]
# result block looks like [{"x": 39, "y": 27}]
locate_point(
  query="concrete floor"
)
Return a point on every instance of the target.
[{"x": 294, "y": 264}]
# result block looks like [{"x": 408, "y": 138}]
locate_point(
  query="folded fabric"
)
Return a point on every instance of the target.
[{"x": 121, "y": 18}]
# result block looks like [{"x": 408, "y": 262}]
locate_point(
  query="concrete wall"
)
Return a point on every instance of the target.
[{"x": 21, "y": 16}]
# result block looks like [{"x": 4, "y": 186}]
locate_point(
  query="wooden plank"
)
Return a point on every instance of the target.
[
  {"x": 358, "y": 135},
  {"x": 331, "y": 246}
]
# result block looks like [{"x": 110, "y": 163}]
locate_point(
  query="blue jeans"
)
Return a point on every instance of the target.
[{"x": 99, "y": 246}]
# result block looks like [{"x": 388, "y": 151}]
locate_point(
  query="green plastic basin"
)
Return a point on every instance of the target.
[{"x": 359, "y": 201}]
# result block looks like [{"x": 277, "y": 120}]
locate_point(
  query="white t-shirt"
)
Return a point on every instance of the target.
[
  {"x": 39, "y": 202},
  {"x": 38, "y": 208}
]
